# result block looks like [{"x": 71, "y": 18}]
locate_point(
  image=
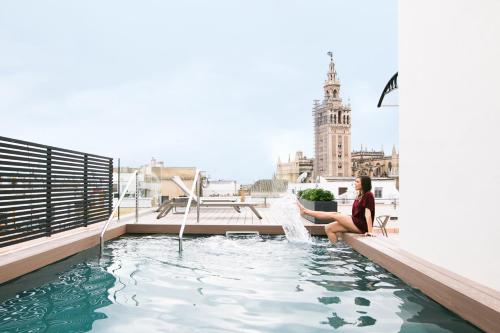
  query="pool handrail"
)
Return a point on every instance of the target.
[
  {"x": 188, "y": 206},
  {"x": 105, "y": 227}
]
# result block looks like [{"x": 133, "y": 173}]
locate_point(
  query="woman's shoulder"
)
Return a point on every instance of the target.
[{"x": 368, "y": 196}]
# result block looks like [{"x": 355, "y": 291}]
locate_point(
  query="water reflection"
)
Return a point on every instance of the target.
[
  {"x": 345, "y": 274},
  {"x": 68, "y": 304},
  {"x": 420, "y": 313}
]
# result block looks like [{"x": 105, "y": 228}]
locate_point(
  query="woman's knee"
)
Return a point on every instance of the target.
[
  {"x": 344, "y": 220},
  {"x": 330, "y": 227},
  {"x": 348, "y": 224}
]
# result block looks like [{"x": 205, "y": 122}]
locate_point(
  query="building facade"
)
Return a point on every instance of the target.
[
  {"x": 375, "y": 163},
  {"x": 292, "y": 169},
  {"x": 154, "y": 181},
  {"x": 332, "y": 130}
]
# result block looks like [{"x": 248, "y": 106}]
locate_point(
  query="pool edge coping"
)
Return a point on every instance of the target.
[{"x": 472, "y": 301}]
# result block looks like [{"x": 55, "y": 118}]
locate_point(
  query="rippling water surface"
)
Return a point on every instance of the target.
[{"x": 219, "y": 284}]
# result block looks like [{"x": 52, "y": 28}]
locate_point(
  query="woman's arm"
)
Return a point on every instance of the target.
[
  {"x": 314, "y": 213},
  {"x": 369, "y": 222}
]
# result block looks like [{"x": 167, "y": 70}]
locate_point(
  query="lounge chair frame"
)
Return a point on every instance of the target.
[
  {"x": 382, "y": 222},
  {"x": 167, "y": 206}
]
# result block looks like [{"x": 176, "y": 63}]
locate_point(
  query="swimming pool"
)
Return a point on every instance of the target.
[{"x": 219, "y": 284}]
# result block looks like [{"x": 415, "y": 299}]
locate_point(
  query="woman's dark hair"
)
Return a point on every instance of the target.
[{"x": 366, "y": 183}]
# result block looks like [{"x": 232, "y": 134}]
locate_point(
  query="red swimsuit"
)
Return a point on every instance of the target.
[{"x": 358, "y": 211}]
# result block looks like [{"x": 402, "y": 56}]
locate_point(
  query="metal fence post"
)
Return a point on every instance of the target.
[
  {"x": 110, "y": 187},
  {"x": 198, "y": 194},
  {"x": 118, "y": 211},
  {"x": 48, "y": 212},
  {"x": 136, "y": 197},
  {"x": 85, "y": 191}
]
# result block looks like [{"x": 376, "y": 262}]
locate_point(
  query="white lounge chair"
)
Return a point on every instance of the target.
[{"x": 165, "y": 208}]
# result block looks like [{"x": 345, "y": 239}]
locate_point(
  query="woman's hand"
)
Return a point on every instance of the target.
[{"x": 302, "y": 210}]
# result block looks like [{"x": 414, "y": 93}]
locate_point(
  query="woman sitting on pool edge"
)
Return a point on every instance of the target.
[{"x": 363, "y": 213}]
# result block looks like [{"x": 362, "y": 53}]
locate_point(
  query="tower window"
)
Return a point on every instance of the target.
[
  {"x": 335, "y": 94},
  {"x": 344, "y": 120},
  {"x": 334, "y": 118},
  {"x": 347, "y": 120}
]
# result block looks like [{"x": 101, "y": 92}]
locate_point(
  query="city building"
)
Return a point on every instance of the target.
[
  {"x": 332, "y": 130},
  {"x": 268, "y": 186},
  {"x": 154, "y": 180},
  {"x": 375, "y": 163},
  {"x": 292, "y": 169}
]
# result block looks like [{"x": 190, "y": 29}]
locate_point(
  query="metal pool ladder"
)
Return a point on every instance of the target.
[
  {"x": 105, "y": 227},
  {"x": 186, "y": 212}
]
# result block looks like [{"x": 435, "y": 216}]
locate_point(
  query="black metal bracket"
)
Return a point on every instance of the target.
[{"x": 390, "y": 86}]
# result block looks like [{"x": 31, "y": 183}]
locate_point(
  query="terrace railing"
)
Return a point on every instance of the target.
[{"x": 45, "y": 190}]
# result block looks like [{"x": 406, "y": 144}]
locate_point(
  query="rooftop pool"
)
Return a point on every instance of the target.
[{"x": 219, "y": 284}]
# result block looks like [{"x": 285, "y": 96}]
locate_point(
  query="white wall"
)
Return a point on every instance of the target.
[
  {"x": 449, "y": 79},
  {"x": 221, "y": 188}
]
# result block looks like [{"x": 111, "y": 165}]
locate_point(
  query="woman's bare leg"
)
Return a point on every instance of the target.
[
  {"x": 343, "y": 220},
  {"x": 346, "y": 222},
  {"x": 332, "y": 228}
]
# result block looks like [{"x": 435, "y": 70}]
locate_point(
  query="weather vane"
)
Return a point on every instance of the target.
[{"x": 330, "y": 54}]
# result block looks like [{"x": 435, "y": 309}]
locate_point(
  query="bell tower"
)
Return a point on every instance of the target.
[{"x": 332, "y": 129}]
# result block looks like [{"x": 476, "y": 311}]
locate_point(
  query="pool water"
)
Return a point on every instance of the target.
[{"x": 219, "y": 284}]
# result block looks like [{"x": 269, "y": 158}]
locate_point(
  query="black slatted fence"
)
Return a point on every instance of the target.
[{"x": 46, "y": 190}]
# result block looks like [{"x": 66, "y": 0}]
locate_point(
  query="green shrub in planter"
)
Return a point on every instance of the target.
[
  {"x": 317, "y": 199},
  {"x": 316, "y": 194}
]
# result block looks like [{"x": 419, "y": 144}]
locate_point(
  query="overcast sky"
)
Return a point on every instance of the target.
[{"x": 226, "y": 86}]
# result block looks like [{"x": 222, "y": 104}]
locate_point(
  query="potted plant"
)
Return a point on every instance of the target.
[{"x": 317, "y": 199}]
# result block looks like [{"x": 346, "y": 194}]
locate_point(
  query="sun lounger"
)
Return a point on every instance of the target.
[{"x": 167, "y": 206}]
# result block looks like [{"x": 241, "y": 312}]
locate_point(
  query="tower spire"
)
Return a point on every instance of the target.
[
  {"x": 332, "y": 73},
  {"x": 332, "y": 84}
]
